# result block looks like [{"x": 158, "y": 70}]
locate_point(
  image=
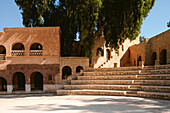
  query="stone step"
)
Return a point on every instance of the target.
[
  {"x": 165, "y": 89},
  {"x": 103, "y": 87},
  {"x": 160, "y": 71},
  {"x": 114, "y": 69},
  {"x": 108, "y": 82},
  {"x": 123, "y": 82},
  {"x": 126, "y": 77},
  {"x": 107, "y": 77},
  {"x": 94, "y": 92},
  {"x": 162, "y": 66},
  {"x": 111, "y": 73},
  {"x": 156, "y": 95}
]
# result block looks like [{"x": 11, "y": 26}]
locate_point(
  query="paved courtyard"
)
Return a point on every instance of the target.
[{"x": 81, "y": 104}]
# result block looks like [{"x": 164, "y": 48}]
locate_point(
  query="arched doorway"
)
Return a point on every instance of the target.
[
  {"x": 163, "y": 57},
  {"x": 78, "y": 69},
  {"x": 18, "y": 81},
  {"x": 2, "y": 52},
  {"x": 66, "y": 71},
  {"x": 3, "y": 84},
  {"x": 36, "y": 49},
  {"x": 108, "y": 54},
  {"x": 99, "y": 52},
  {"x": 36, "y": 81},
  {"x": 154, "y": 57},
  {"x": 138, "y": 60},
  {"x": 18, "y": 49}
]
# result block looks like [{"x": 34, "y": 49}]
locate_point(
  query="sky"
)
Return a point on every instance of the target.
[{"x": 153, "y": 24}]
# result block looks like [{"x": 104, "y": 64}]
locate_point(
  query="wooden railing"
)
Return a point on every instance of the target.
[{"x": 36, "y": 53}]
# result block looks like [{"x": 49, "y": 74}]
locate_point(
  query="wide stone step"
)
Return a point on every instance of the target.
[
  {"x": 165, "y": 89},
  {"x": 160, "y": 71},
  {"x": 107, "y": 77},
  {"x": 115, "y": 69},
  {"x": 126, "y": 77},
  {"x": 123, "y": 82},
  {"x": 156, "y": 95},
  {"x": 94, "y": 92},
  {"x": 108, "y": 82},
  {"x": 103, "y": 87},
  {"x": 155, "y": 77},
  {"x": 111, "y": 73}
]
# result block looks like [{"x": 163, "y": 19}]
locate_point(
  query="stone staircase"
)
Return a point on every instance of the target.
[{"x": 149, "y": 82}]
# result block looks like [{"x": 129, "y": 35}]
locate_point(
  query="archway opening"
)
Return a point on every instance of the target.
[
  {"x": 36, "y": 49},
  {"x": 36, "y": 81},
  {"x": 18, "y": 49},
  {"x": 66, "y": 71},
  {"x": 19, "y": 81},
  {"x": 3, "y": 84},
  {"x": 36, "y": 46},
  {"x": 108, "y": 54},
  {"x": 99, "y": 52},
  {"x": 78, "y": 69},
  {"x": 154, "y": 57},
  {"x": 2, "y": 52},
  {"x": 138, "y": 60},
  {"x": 18, "y": 46},
  {"x": 163, "y": 57}
]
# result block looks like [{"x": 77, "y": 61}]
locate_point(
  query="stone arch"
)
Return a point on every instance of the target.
[
  {"x": 163, "y": 57},
  {"x": 36, "y": 46},
  {"x": 100, "y": 52},
  {"x": 18, "y": 81},
  {"x": 154, "y": 57},
  {"x": 18, "y": 46},
  {"x": 66, "y": 71},
  {"x": 78, "y": 69},
  {"x": 36, "y": 49},
  {"x": 108, "y": 54},
  {"x": 2, "y": 52},
  {"x": 138, "y": 60},
  {"x": 3, "y": 84},
  {"x": 36, "y": 81},
  {"x": 18, "y": 49}
]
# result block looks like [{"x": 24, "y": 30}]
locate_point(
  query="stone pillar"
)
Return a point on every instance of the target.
[
  {"x": 157, "y": 62},
  {"x": 27, "y": 88},
  {"x": 9, "y": 88},
  {"x": 141, "y": 63},
  {"x": 168, "y": 61}
]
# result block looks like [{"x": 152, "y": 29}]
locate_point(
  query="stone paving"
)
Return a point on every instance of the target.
[{"x": 81, "y": 104}]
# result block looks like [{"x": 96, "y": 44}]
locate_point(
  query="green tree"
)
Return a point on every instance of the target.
[
  {"x": 141, "y": 39},
  {"x": 117, "y": 19},
  {"x": 168, "y": 24}
]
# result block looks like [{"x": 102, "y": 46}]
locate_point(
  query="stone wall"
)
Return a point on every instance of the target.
[
  {"x": 116, "y": 58},
  {"x": 48, "y": 37},
  {"x": 149, "y": 46},
  {"x": 73, "y": 63}
]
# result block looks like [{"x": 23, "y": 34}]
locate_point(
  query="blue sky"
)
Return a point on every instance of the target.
[{"x": 155, "y": 23}]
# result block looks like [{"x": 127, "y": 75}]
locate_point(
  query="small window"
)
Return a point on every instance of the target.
[
  {"x": 50, "y": 77},
  {"x": 122, "y": 47},
  {"x": 100, "y": 52},
  {"x": 129, "y": 53}
]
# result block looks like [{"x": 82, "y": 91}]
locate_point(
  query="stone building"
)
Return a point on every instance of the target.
[{"x": 30, "y": 58}]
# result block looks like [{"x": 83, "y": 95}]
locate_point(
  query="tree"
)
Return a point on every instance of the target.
[
  {"x": 141, "y": 39},
  {"x": 168, "y": 24},
  {"x": 117, "y": 19}
]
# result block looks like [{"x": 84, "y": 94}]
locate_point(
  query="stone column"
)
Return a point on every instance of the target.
[
  {"x": 27, "y": 88},
  {"x": 157, "y": 62},
  {"x": 9, "y": 88},
  {"x": 141, "y": 63}
]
